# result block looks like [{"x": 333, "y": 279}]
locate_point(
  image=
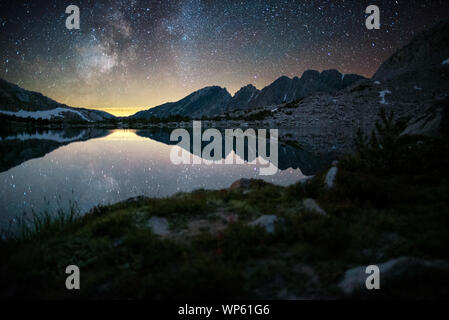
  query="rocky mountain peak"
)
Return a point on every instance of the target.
[
  {"x": 429, "y": 48},
  {"x": 243, "y": 97},
  {"x": 310, "y": 75},
  {"x": 211, "y": 101},
  {"x": 208, "y": 101}
]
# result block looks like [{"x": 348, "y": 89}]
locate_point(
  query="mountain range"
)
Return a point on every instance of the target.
[
  {"x": 413, "y": 82},
  {"x": 212, "y": 101}
]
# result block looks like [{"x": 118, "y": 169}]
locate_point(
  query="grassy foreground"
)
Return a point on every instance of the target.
[{"x": 390, "y": 200}]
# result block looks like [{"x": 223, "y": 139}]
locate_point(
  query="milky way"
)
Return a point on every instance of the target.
[{"x": 131, "y": 55}]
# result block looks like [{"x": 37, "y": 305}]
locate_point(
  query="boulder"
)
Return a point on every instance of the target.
[
  {"x": 329, "y": 181},
  {"x": 354, "y": 279},
  {"x": 158, "y": 226},
  {"x": 311, "y": 205},
  {"x": 266, "y": 221}
]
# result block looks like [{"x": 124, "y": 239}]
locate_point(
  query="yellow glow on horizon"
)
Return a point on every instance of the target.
[
  {"x": 119, "y": 112},
  {"x": 124, "y": 97},
  {"x": 120, "y": 134}
]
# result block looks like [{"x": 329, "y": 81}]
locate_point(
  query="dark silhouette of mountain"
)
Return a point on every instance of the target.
[
  {"x": 428, "y": 49},
  {"x": 18, "y": 102},
  {"x": 244, "y": 97},
  {"x": 285, "y": 89},
  {"x": 212, "y": 101},
  {"x": 208, "y": 101},
  {"x": 20, "y": 145}
]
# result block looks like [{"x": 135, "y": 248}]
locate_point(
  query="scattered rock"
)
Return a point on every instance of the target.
[
  {"x": 241, "y": 184},
  {"x": 355, "y": 278},
  {"x": 311, "y": 205},
  {"x": 266, "y": 221},
  {"x": 331, "y": 175},
  {"x": 158, "y": 226}
]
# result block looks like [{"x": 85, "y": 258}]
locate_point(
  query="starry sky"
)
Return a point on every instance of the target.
[{"x": 132, "y": 55}]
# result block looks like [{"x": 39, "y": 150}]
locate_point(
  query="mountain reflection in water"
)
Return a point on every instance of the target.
[{"x": 46, "y": 169}]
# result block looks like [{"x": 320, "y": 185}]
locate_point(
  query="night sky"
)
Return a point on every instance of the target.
[{"x": 131, "y": 55}]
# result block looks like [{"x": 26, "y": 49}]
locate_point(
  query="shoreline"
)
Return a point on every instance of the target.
[{"x": 256, "y": 240}]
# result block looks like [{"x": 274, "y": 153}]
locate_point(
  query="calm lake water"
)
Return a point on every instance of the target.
[{"x": 46, "y": 170}]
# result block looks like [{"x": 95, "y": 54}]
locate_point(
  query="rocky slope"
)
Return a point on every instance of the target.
[
  {"x": 208, "y": 101},
  {"x": 285, "y": 89},
  {"x": 413, "y": 85},
  {"x": 428, "y": 49},
  {"x": 18, "y": 102},
  {"x": 244, "y": 96}
]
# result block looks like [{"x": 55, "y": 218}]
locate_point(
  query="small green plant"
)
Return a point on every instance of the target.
[{"x": 46, "y": 223}]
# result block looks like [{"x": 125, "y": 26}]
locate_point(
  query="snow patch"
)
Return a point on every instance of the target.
[
  {"x": 53, "y": 136},
  {"x": 417, "y": 88},
  {"x": 377, "y": 82},
  {"x": 252, "y": 96},
  {"x": 382, "y": 95},
  {"x": 446, "y": 61},
  {"x": 44, "y": 114}
]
